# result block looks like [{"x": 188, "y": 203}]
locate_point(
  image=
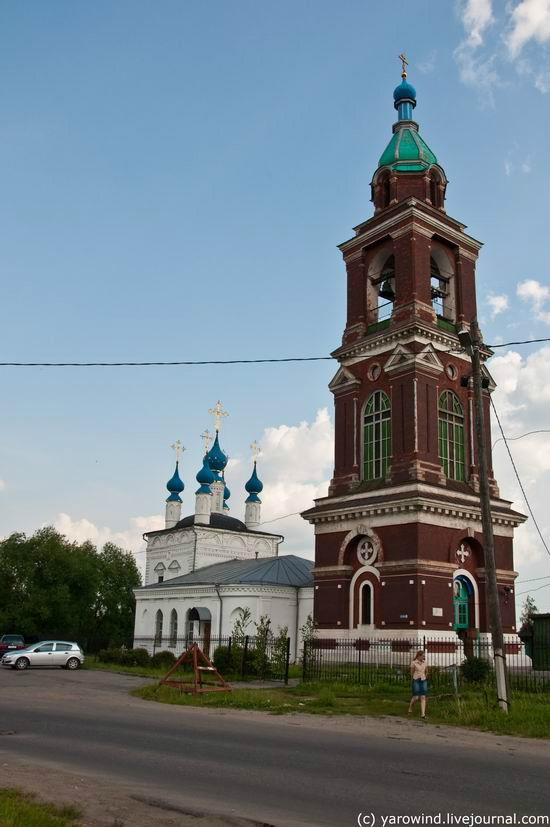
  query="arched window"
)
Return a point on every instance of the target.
[
  {"x": 386, "y": 289},
  {"x": 158, "y": 628},
  {"x": 451, "y": 436},
  {"x": 377, "y": 436},
  {"x": 461, "y": 615},
  {"x": 366, "y": 604},
  {"x": 386, "y": 191},
  {"x": 173, "y": 627}
]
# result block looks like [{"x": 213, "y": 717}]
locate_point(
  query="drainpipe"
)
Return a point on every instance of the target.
[
  {"x": 297, "y": 621},
  {"x": 194, "y": 550},
  {"x": 217, "y": 587}
]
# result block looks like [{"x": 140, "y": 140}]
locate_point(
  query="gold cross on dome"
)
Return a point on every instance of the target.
[
  {"x": 217, "y": 412},
  {"x": 206, "y": 437},
  {"x": 404, "y": 64},
  {"x": 255, "y": 448},
  {"x": 178, "y": 448}
]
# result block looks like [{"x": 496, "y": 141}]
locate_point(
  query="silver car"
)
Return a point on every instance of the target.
[{"x": 46, "y": 653}]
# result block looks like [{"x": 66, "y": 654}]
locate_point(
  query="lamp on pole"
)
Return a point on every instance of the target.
[{"x": 471, "y": 341}]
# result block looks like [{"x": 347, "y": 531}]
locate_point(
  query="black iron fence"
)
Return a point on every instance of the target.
[
  {"x": 246, "y": 657},
  {"x": 451, "y": 662}
]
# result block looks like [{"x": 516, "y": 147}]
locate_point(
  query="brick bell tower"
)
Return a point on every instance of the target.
[{"x": 398, "y": 539}]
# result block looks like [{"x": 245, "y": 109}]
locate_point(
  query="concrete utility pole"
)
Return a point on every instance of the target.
[{"x": 472, "y": 342}]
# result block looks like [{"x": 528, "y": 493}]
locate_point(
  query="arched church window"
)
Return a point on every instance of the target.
[
  {"x": 377, "y": 436},
  {"x": 366, "y": 604},
  {"x": 386, "y": 289},
  {"x": 173, "y": 627},
  {"x": 386, "y": 191},
  {"x": 158, "y": 628},
  {"x": 451, "y": 436},
  {"x": 461, "y": 618},
  {"x": 435, "y": 197},
  {"x": 439, "y": 288}
]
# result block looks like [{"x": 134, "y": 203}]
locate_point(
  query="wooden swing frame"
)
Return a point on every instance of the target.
[{"x": 201, "y": 665}]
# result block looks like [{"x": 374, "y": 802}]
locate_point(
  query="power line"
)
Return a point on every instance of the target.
[
  {"x": 533, "y": 579},
  {"x": 216, "y": 361},
  {"x": 518, "y": 594},
  {"x": 519, "y": 480},
  {"x": 513, "y": 438},
  {"x": 159, "y": 364}
]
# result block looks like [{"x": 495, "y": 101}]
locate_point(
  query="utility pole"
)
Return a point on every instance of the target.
[{"x": 472, "y": 342}]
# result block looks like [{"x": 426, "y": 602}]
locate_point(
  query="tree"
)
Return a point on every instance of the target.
[
  {"x": 529, "y": 609},
  {"x": 53, "y": 588},
  {"x": 307, "y": 633},
  {"x": 242, "y": 621}
]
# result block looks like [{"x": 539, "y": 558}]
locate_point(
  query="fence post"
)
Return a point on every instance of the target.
[
  {"x": 245, "y": 652},
  {"x": 359, "y": 661},
  {"x": 304, "y": 659},
  {"x": 228, "y": 647},
  {"x": 287, "y": 660}
]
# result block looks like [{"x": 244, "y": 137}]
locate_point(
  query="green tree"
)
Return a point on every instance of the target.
[
  {"x": 307, "y": 633},
  {"x": 51, "y": 587},
  {"x": 528, "y": 610},
  {"x": 242, "y": 621}
]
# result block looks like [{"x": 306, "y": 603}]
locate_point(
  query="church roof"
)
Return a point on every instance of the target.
[
  {"x": 217, "y": 520},
  {"x": 288, "y": 570}
]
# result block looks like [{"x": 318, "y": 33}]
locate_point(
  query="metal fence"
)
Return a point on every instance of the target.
[
  {"x": 246, "y": 657},
  {"x": 375, "y": 661}
]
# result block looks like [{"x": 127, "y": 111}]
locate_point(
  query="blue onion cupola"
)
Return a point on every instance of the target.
[
  {"x": 175, "y": 486},
  {"x": 205, "y": 477},
  {"x": 404, "y": 99},
  {"x": 254, "y": 486},
  {"x": 217, "y": 460}
]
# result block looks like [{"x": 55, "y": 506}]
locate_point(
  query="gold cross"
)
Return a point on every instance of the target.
[
  {"x": 217, "y": 412},
  {"x": 404, "y": 64},
  {"x": 207, "y": 439},
  {"x": 178, "y": 448},
  {"x": 255, "y": 448}
]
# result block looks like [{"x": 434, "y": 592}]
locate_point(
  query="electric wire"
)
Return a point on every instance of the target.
[
  {"x": 519, "y": 479},
  {"x": 189, "y": 362},
  {"x": 513, "y": 438}
]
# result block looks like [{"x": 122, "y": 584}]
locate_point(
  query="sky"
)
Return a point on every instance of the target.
[{"x": 175, "y": 178}]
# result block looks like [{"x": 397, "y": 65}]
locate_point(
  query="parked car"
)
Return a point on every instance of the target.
[
  {"x": 9, "y": 642},
  {"x": 46, "y": 653}
]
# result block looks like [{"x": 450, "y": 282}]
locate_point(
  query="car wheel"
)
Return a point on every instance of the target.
[
  {"x": 22, "y": 663},
  {"x": 73, "y": 663}
]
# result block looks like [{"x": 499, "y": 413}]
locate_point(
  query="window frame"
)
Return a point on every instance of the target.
[
  {"x": 451, "y": 431},
  {"x": 376, "y": 450}
]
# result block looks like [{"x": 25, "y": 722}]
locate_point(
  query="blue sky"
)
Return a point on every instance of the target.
[{"x": 174, "y": 180}]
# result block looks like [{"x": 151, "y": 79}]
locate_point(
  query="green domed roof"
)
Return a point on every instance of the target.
[{"x": 407, "y": 151}]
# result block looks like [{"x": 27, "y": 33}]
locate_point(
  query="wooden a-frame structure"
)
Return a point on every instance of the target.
[{"x": 201, "y": 666}]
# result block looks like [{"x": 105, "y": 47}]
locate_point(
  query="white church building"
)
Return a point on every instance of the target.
[{"x": 203, "y": 569}]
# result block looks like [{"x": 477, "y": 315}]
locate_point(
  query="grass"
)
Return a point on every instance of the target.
[
  {"x": 18, "y": 809},
  {"x": 92, "y": 662},
  {"x": 529, "y": 713}
]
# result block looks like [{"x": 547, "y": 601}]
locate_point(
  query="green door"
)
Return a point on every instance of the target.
[{"x": 460, "y": 605}]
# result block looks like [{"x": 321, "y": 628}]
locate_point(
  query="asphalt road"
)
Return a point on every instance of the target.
[{"x": 280, "y": 771}]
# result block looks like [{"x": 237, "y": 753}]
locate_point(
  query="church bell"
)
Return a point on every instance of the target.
[{"x": 386, "y": 290}]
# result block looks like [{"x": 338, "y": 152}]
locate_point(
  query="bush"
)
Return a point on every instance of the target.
[
  {"x": 231, "y": 662},
  {"x": 109, "y": 655},
  {"x": 223, "y": 659},
  {"x": 475, "y": 670},
  {"x": 135, "y": 657},
  {"x": 163, "y": 660}
]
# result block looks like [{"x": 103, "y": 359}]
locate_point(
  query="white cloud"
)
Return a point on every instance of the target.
[
  {"x": 2, "y": 485},
  {"x": 477, "y": 15},
  {"x": 537, "y": 295},
  {"x": 529, "y": 20},
  {"x": 478, "y": 72},
  {"x": 80, "y": 530},
  {"x": 427, "y": 65},
  {"x": 497, "y": 303},
  {"x": 295, "y": 465},
  {"x": 508, "y": 167},
  {"x": 522, "y": 398}
]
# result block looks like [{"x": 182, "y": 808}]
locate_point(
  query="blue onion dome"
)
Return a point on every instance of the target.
[
  {"x": 175, "y": 486},
  {"x": 254, "y": 486},
  {"x": 217, "y": 460},
  {"x": 405, "y": 91},
  {"x": 205, "y": 477}
]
